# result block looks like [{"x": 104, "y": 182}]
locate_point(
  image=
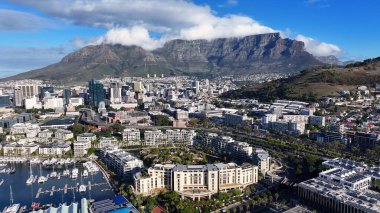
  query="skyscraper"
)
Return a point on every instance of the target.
[
  {"x": 96, "y": 92},
  {"x": 138, "y": 86},
  {"x": 115, "y": 92},
  {"x": 66, "y": 95}
]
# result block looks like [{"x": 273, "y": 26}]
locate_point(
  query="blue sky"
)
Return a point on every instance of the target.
[{"x": 34, "y": 34}]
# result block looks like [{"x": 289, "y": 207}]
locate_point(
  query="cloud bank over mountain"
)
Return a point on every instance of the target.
[{"x": 150, "y": 23}]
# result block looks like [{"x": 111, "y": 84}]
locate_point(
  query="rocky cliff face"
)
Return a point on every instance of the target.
[{"x": 251, "y": 54}]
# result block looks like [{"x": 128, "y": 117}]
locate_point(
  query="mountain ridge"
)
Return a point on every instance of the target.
[{"x": 224, "y": 56}]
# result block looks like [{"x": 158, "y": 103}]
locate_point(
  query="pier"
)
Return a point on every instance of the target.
[
  {"x": 53, "y": 189},
  {"x": 38, "y": 193}
]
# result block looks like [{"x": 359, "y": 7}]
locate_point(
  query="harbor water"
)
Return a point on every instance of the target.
[{"x": 27, "y": 194}]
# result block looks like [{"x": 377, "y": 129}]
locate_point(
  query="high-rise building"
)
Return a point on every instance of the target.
[
  {"x": 45, "y": 89},
  {"x": 17, "y": 98},
  {"x": 5, "y": 101},
  {"x": 96, "y": 92},
  {"x": 115, "y": 92},
  {"x": 66, "y": 95},
  {"x": 28, "y": 91},
  {"x": 138, "y": 86},
  {"x": 25, "y": 91}
]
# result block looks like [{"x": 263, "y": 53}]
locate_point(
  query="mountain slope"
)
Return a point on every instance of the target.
[
  {"x": 313, "y": 84},
  {"x": 251, "y": 54}
]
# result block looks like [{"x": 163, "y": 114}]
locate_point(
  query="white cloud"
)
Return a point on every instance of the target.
[
  {"x": 131, "y": 22},
  {"x": 134, "y": 36},
  {"x": 228, "y": 26},
  {"x": 319, "y": 48}
]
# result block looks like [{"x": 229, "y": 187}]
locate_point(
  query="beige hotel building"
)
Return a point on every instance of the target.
[{"x": 195, "y": 181}]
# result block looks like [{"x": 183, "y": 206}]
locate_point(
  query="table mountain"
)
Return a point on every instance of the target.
[{"x": 247, "y": 55}]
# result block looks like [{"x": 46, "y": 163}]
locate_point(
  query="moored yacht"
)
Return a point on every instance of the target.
[
  {"x": 82, "y": 188},
  {"x": 85, "y": 173},
  {"x": 14, "y": 208},
  {"x": 66, "y": 172},
  {"x": 74, "y": 173}
]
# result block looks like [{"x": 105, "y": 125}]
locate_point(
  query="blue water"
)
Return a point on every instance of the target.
[
  {"x": 26, "y": 195},
  {"x": 123, "y": 210}
]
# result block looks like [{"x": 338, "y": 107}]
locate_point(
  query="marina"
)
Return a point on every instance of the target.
[{"x": 35, "y": 183}]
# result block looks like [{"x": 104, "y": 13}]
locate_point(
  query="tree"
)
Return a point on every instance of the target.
[
  {"x": 78, "y": 129},
  {"x": 161, "y": 120},
  {"x": 150, "y": 203},
  {"x": 117, "y": 127}
]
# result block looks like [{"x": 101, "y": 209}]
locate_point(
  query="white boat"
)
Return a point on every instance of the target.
[
  {"x": 12, "y": 208},
  {"x": 31, "y": 177},
  {"x": 53, "y": 161},
  {"x": 30, "y": 180},
  {"x": 35, "y": 161},
  {"x": 1, "y": 182},
  {"x": 74, "y": 173},
  {"x": 66, "y": 172},
  {"x": 42, "y": 179},
  {"x": 82, "y": 188},
  {"x": 85, "y": 173},
  {"x": 53, "y": 174}
]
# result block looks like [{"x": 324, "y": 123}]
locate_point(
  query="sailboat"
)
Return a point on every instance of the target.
[
  {"x": 85, "y": 173},
  {"x": 82, "y": 187},
  {"x": 13, "y": 208},
  {"x": 53, "y": 174},
  {"x": 31, "y": 177},
  {"x": 42, "y": 178},
  {"x": 1, "y": 182}
]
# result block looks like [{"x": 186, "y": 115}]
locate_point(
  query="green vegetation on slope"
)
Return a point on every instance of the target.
[{"x": 313, "y": 84}]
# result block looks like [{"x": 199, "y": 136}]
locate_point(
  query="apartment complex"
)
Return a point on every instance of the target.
[
  {"x": 83, "y": 143},
  {"x": 158, "y": 137},
  {"x": 131, "y": 136},
  {"x": 262, "y": 159},
  {"x": 195, "y": 181},
  {"x": 121, "y": 162}
]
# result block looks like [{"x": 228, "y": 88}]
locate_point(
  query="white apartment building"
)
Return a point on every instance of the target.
[
  {"x": 53, "y": 103},
  {"x": 45, "y": 134},
  {"x": 178, "y": 136},
  {"x": 32, "y": 103},
  {"x": 262, "y": 159},
  {"x": 63, "y": 134},
  {"x": 77, "y": 101},
  {"x": 154, "y": 138},
  {"x": 131, "y": 136},
  {"x": 86, "y": 137},
  {"x": 107, "y": 142},
  {"x": 20, "y": 148},
  {"x": 27, "y": 129},
  {"x": 55, "y": 148},
  {"x": 123, "y": 163},
  {"x": 81, "y": 147},
  {"x": 296, "y": 118},
  {"x": 236, "y": 119},
  {"x": 239, "y": 149},
  {"x": 195, "y": 181}
]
